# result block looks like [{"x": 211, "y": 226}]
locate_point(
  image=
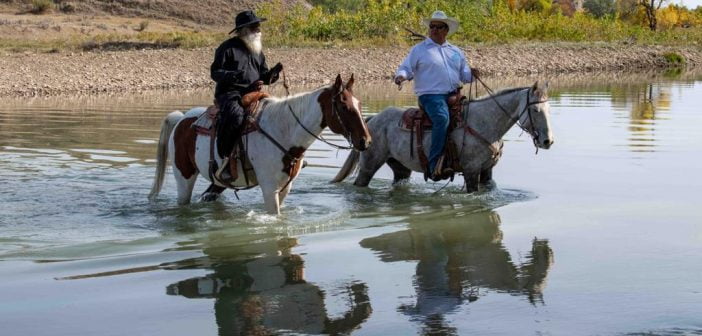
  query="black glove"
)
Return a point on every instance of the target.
[
  {"x": 255, "y": 86},
  {"x": 275, "y": 72}
]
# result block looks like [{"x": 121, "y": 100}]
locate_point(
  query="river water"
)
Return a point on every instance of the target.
[{"x": 600, "y": 235}]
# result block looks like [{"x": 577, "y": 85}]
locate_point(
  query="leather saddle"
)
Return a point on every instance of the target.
[
  {"x": 412, "y": 116},
  {"x": 251, "y": 102},
  {"x": 417, "y": 122}
]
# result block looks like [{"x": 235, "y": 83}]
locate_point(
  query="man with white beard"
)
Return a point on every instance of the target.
[{"x": 239, "y": 67}]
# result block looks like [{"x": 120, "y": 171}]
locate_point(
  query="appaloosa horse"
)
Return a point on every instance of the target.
[
  {"x": 286, "y": 127},
  {"x": 479, "y": 141}
]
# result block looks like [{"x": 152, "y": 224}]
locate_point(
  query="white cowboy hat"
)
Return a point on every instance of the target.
[{"x": 441, "y": 16}]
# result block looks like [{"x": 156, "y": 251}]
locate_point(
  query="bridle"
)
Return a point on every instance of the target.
[
  {"x": 335, "y": 112},
  {"x": 528, "y": 107}
]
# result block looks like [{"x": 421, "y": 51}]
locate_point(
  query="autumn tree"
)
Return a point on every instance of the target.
[{"x": 650, "y": 8}]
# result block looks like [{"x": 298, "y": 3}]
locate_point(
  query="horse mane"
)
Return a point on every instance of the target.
[
  {"x": 495, "y": 94},
  {"x": 298, "y": 102}
]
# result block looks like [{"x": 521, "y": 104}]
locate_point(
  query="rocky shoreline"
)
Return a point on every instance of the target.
[{"x": 52, "y": 74}]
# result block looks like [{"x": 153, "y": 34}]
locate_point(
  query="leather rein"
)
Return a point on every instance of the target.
[
  {"x": 335, "y": 112},
  {"x": 527, "y": 108},
  {"x": 287, "y": 154}
]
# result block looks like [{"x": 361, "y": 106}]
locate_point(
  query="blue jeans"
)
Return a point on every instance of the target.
[{"x": 437, "y": 109}]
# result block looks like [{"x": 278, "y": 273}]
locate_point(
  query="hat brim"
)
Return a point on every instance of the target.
[
  {"x": 451, "y": 23},
  {"x": 258, "y": 20}
]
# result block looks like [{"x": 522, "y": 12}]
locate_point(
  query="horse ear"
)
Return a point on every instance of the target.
[
  {"x": 537, "y": 89},
  {"x": 338, "y": 85},
  {"x": 349, "y": 84}
]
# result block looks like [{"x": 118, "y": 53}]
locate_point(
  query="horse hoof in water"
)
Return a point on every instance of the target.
[{"x": 209, "y": 197}]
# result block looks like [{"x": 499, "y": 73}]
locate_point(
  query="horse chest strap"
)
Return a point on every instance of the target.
[{"x": 495, "y": 151}]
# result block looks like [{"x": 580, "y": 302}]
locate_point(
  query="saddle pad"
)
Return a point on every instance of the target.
[
  {"x": 411, "y": 116},
  {"x": 204, "y": 122}
]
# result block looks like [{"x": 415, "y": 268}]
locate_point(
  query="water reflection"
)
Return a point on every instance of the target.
[
  {"x": 259, "y": 289},
  {"x": 459, "y": 259}
]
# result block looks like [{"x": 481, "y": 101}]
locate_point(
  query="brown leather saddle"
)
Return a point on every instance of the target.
[
  {"x": 251, "y": 102},
  {"x": 417, "y": 121}
]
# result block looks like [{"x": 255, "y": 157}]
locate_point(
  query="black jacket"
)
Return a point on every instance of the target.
[{"x": 235, "y": 68}]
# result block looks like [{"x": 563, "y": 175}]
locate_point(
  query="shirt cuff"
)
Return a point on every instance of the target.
[{"x": 403, "y": 73}]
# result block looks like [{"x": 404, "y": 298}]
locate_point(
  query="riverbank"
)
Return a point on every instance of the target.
[{"x": 66, "y": 73}]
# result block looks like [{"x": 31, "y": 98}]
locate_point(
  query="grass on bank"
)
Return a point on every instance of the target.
[
  {"x": 370, "y": 23},
  {"x": 481, "y": 21},
  {"x": 140, "y": 40}
]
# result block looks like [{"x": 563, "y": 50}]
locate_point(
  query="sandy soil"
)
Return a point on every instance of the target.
[{"x": 32, "y": 74}]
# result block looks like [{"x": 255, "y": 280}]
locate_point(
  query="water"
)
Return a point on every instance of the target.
[{"x": 600, "y": 235}]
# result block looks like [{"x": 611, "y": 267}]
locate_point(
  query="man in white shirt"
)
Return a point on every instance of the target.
[{"x": 438, "y": 68}]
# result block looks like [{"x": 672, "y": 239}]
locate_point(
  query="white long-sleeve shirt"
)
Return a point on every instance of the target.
[{"x": 436, "y": 69}]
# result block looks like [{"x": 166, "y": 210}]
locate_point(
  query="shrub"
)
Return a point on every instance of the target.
[
  {"x": 599, "y": 8},
  {"x": 673, "y": 58},
  {"x": 41, "y": 6},
  {"x": 142, "y": 26},
  {"x": 67, "y": 7}
]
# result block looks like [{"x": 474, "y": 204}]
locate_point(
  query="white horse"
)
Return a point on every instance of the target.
[
  {"x": 479, "y": 142},
  {"x": 286, "y": 128}
]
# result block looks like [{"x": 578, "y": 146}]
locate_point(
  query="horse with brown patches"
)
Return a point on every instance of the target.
[{"x": 285, "y": 128}]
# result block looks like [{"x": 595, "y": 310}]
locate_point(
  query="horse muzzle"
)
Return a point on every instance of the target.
[
  {"x": 363, "y": 143},
  {"x": 545, "y": 143}
]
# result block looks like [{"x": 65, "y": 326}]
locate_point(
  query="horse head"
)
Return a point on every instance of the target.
[
  {"x": 536, "y": 118},
  {"x": 341, "y": 111}
]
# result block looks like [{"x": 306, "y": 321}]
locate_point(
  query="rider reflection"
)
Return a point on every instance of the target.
[
  {"x": 267, "y": 293},
  {"x": 457, "y": 259}
]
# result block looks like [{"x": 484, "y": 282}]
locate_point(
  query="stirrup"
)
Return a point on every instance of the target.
[
  {"x": 220, "y": 172},
  {"x": 440, "y": 172}
]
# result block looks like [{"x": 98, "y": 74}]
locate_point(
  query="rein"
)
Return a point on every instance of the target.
[
  {"x": 286, "y": 153},
  {"x": 527, "y": 108},
  {"x": 319, "y": 137}
]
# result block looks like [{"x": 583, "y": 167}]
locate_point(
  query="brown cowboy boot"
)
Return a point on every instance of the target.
[{"x": 442, "y": 170}]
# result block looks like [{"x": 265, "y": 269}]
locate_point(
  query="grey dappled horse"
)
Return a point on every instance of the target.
[{"x": 479, "y": 142}]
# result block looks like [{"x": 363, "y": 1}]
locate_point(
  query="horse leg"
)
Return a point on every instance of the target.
[
  {"x": 472, "y": 181},
  {"x": 272, "y": 202},
  {"x": 369, "y": 164},
  {"x": 284, "y": 193},
  {"x": 185, "y": 186},
  {"x": 212, "y": 193},
  {"x": 486, "y": 176},
  {"x": 271, "y": 198},
  {"x": 400, "y": 172}
]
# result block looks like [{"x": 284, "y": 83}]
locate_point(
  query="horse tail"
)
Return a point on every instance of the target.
[
  {"x": 349, "y": 166},
  {"x": 167, "y": 127}
]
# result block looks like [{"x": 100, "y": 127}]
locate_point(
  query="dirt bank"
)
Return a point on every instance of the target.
[{"x": 42, "y": 74}]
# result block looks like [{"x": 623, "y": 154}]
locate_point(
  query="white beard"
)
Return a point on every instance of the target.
[{"x": 252, "y": 42}]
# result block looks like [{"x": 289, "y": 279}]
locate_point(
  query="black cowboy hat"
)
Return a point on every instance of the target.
[{"x": 246, "y": 18}]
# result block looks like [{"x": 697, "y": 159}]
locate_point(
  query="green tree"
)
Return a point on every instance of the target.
[
  {"x": 333, "y": 6},
  {"x": 535, "y": 5},
  {"x": 599, "y": 8},
  {"x": 651, "y": 7}
]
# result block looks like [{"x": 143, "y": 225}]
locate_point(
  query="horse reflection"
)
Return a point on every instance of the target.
[
  {"x": 267, "y": 294},
  {"x": 457, "y": 258}
]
